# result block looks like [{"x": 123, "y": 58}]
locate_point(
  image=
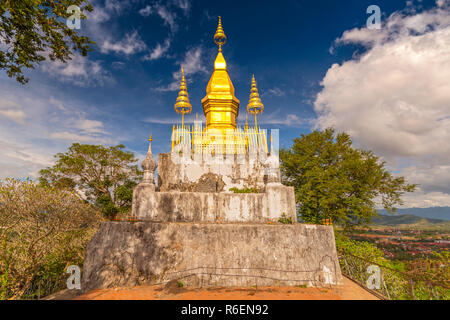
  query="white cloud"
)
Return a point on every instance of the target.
[
  {"x": 89, "y": 126},
  {"x": 169, "y": 17},
  {"x": 276, "y": 118},
  {"x": 277, "y": 92},
  {"x": 22, "y": 160},
  {"x": 442, "y": 3},
  {"x": 192, "y": 64},
  {"x": 395, "y": 98},
  {"x": 146, "y": 11},
  {"x": 80, "y": 71},
  {"x": 185, "y": 5},
  {"x": 75, "y": 137},
  {"x": 420, "y": 199},
  {"x": 430, "y": 178},
  {"x": 159, "y": 51},
  {"x": 49, "y": 125},
  {"x": 12, "y": 111},
  {"x": 130, "y": 44},
  {"x": 15, "y": 115}
]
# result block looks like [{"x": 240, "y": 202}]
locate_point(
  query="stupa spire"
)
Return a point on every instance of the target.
[
  {"x": 255, "y": 105},
  {"x": 183, "y": 106},
  {"x": 220, "y": 105}
]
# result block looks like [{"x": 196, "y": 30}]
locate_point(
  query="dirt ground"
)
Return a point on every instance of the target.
[{"x": 171, "y": 291}]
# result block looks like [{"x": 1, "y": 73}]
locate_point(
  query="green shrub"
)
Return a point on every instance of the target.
[
  {"x": 246, "y": 190},
  {"x": 285, "y": 220}
]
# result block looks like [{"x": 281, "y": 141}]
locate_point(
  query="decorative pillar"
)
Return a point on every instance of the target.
[{"x": 149, "y": 166}]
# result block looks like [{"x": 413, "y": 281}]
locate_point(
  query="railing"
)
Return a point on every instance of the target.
[
  {"x": 392, "y": 284},
  {"x": 231, "y": 141}
]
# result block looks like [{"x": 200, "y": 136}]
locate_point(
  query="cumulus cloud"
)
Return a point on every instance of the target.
[{"x": 395, "y": 98}]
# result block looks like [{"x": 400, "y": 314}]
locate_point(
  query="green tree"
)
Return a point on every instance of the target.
[
  {"x": 334, "y": 180},
  {"x": 106, "y": 176},
  {"x": 30, "y": 30}
]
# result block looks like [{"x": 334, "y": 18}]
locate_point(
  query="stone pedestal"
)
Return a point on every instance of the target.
[
  {"x": 208, "y": 207},
  {"x": 211, "y": 255}
]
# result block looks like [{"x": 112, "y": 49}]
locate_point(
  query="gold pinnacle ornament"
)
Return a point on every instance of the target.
[
  {"x": 255, "y": 105},
  {"x": 220, "y": 38},
  {"x": 183, "y": 106}
]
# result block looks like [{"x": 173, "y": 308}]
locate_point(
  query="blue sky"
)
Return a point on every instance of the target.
[{"x": 307, "y": 56}]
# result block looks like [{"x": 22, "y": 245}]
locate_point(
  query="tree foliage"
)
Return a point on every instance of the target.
[
  {"x": 43, "y": 230},
  {"x": 106, "y": 176},
  {"x": 334, "y": 180},
  {"x": 31, "y": 30}
]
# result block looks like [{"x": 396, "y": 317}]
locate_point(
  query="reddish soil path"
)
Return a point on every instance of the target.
[{"x": 348, "y": 291}]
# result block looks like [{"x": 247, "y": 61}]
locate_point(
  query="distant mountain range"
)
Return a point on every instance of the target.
[
  {"x": 442, "y": 213},
  {"x": 410, "y": 220}
]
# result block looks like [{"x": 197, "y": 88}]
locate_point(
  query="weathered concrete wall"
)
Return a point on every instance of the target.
[
  {"x": 185, "y": 174},
  {"x": 126, "y": 254},
  {"x": 208, "y": 207}
]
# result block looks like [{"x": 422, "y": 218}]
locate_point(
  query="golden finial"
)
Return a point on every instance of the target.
[
  {"x": 183, "y": 106},
  {"x": 220, "y": 38},
  {"x": 255, "y": 105},
  {"x": 150, "y": 138}
]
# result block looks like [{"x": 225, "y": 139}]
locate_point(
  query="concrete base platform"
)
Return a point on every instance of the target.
[
  {"x": 210, "y": 255},
  {"x": 277, "y": 200}
]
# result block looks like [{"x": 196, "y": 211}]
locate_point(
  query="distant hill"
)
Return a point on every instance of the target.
[
  {"x": 410, "y": 221},
  {"x": 442, "y": 213}
]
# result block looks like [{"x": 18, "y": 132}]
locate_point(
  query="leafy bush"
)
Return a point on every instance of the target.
[{"x": 43, "y": 230}]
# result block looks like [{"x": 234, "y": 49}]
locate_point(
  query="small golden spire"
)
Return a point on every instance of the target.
[
  {"x": 255, "y": 105},
  {"x": 220, "y": 38},
  {"x": 150, "y": 138},
  {"x": 183, "y": 106}
]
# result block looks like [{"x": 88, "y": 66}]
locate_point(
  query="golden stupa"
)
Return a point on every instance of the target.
[
  {"x": 221, "y": 108},
  {"x": 220, "y": 105}
]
